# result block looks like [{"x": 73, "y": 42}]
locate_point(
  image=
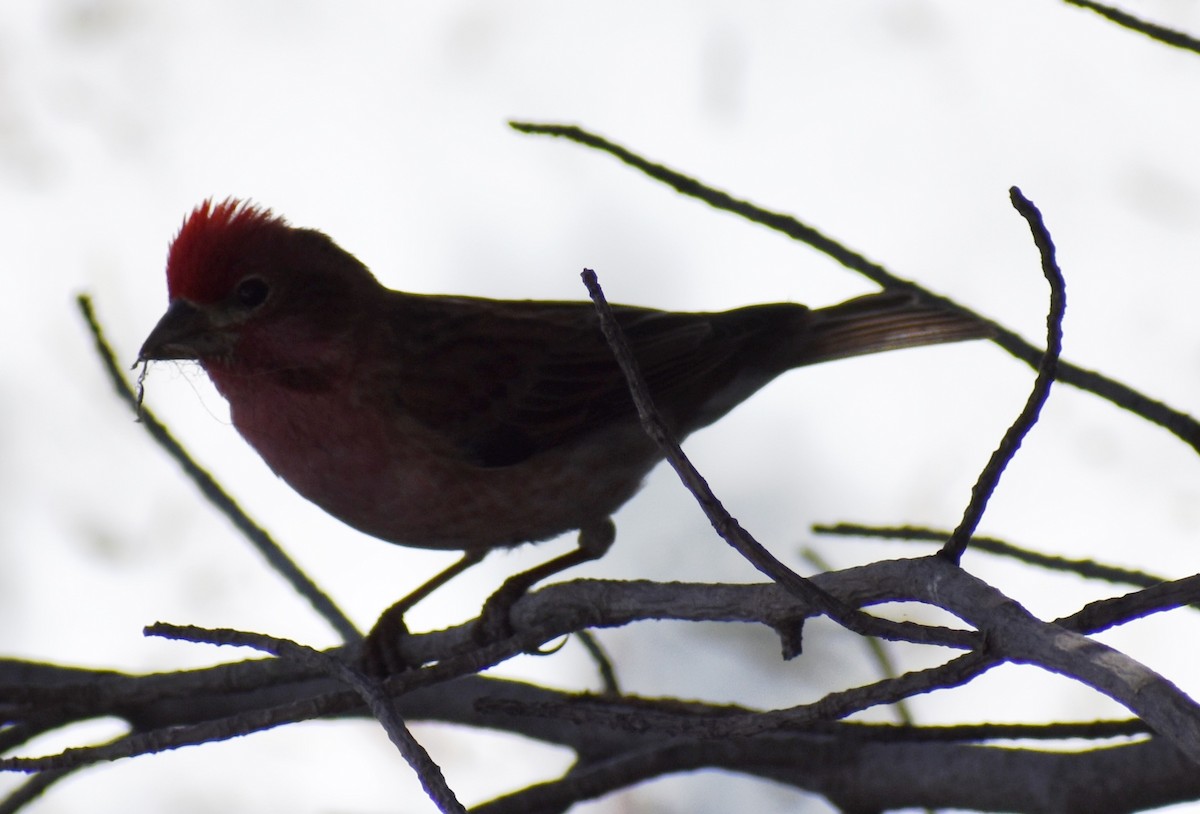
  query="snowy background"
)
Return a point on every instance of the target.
[{"x": 895, "y": 127}]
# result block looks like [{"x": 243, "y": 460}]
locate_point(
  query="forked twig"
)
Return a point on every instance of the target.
[
  {"x": 989, "y": 478},
  {"x": 369, "y": 690}
]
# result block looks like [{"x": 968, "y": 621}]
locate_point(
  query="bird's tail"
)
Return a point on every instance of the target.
[{"x": 884, "y": 321}]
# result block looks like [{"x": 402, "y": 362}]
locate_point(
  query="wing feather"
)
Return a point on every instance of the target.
[{"x": 502, "y": 381}]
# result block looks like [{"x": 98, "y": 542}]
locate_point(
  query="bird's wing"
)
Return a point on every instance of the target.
[{"x": 501, "y": 381}]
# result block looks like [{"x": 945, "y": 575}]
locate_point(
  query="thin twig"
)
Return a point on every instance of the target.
[
  {"x": 981, "y": 733},
  {"x": 1089, "y": 569},
  {"x": 608, "y": 675},
  {"x": 1182, "y": 425},
  {"x": 985, "y": 486},
  {"x": 1167, "y": 36},
  {"x": 32, "y": 789},
  {"x": 218, "y": 497},
  {"x": 1105, "y": 613}
]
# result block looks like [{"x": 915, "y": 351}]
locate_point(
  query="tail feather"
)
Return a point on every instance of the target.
[{"x": 885, "y": 321}]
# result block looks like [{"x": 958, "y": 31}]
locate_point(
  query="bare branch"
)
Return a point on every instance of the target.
[
  {"x": 1167, "y": 36},
  {"x": 1106, "y": 613},
  {"x": 1089, "y": 569},
  {"x": 1182, "y": 425}
]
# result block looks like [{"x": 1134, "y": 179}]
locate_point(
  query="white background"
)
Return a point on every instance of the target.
[{"x": 896, "y": 127}]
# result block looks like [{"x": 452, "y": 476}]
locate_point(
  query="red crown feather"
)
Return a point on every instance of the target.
[{"x": 201, "y": 262}]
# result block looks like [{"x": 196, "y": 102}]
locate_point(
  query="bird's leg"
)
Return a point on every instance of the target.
[
  {"x": 381, "y": 652},
  {"x": 494, "y": 622}
]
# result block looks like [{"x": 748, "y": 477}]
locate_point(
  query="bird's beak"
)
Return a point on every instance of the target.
[{"x": 185, "y": 331}]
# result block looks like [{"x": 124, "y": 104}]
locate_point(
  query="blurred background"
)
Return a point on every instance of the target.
[{"x": 897, "y": 128}]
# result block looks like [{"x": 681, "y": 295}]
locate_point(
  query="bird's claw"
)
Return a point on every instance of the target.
[
  {"x": 495, "y": 619},
  {"x": 382, "y": 651}
]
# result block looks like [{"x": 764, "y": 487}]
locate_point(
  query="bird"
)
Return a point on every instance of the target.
[{"x": 465, "y": 423}]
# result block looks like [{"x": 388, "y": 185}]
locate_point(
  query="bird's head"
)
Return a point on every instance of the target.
[{"x": 246, "y": 286}]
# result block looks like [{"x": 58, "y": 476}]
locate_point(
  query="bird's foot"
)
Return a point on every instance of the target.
[
  {"x": 382, "y": 654},
  {"x": 495, "y": 619},
  {"x": 383, "y": 649}
]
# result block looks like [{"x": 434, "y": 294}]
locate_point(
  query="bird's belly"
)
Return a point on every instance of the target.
[{"x": 398, "y": 481}]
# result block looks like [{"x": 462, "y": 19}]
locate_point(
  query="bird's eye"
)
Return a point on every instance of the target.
[{"x": 252, "y": 292}]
